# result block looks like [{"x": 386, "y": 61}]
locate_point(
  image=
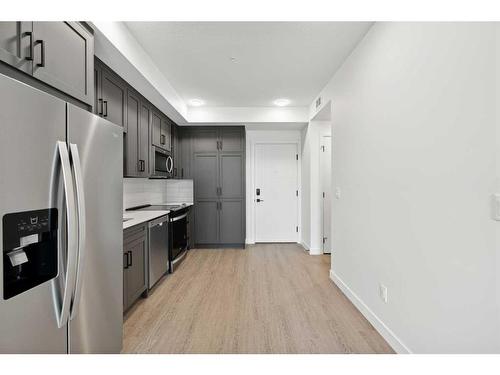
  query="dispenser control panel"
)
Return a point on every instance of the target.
[
  {"x": 19, "y": 225},
  {"x": 30, "y": 250}
]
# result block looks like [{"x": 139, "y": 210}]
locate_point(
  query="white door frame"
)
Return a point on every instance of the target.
[
  {"x": 299, "y": 200},
  {"x": 322, "y": 137}
]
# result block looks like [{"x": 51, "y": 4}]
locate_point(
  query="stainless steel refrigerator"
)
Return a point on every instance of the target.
[{"x": 61, "y": 187}]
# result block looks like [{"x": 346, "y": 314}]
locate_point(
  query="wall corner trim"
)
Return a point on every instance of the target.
[{"x": 377, "y": 323}]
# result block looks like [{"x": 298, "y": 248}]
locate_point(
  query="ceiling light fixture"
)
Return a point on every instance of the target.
[
  {"x": 196, "y": 102},
  {"x": 282, "y": 102}
]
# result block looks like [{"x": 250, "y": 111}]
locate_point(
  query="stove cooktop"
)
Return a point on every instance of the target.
[{"x": 158, "y": 207}]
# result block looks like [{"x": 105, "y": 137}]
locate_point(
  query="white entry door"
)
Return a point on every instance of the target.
[
  {"x": 275, "y": 194},
  {"x": 326, "y": 186}
]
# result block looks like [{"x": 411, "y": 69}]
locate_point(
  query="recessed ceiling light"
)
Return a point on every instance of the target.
[
  {"x": 196, "y": 102},
  {"x": 281, "y": 102}
]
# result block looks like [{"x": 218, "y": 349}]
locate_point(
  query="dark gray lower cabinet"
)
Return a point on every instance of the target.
[
  {"x": 206, "y": 222},
  {"x": 231, "y": 221},
  {"x": 134, "y": 264}
]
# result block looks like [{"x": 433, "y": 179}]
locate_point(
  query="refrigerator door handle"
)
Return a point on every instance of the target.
[
  {"x": 80, "y": 195},
  {"x": 69, "y": 196}
]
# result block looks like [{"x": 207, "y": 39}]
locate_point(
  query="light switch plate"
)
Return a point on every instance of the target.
[{"x": 495, "y": 207}]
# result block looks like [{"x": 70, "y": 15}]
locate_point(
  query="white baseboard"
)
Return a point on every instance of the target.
[
  {"x": 376, "y": 322},
  {"x": 249, "y": 241},
  {"x": 315, "y": 251},
  {"x": 304, "y": 245}
]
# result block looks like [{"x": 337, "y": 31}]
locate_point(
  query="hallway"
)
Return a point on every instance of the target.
[{"x": 269, "y": 298}]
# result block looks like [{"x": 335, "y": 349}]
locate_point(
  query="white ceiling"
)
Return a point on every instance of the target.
[{"x": 273, "y": 59}]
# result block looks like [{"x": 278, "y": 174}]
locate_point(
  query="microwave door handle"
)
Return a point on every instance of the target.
[
  {"x": 77, "y": 166},
  {"x": 171, "y": 162},
  {"x": 69, "y": 196}
]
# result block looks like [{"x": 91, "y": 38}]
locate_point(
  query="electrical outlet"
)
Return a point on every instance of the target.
[
  {"x": 337, "y": 193},
  {"x": 382, "y": 290}
]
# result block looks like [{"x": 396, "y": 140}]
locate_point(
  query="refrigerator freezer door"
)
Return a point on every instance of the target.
[
  {"x": 31, "y": 123},
  {"x": 96, "y": 323}
]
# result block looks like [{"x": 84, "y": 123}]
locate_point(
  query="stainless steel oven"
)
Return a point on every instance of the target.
[
  {"x": 179, "y": 240},
  {"x": 162, "y": 163}
]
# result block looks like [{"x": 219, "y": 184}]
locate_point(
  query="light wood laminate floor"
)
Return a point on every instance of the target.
[{"x": 269, "y": 298}]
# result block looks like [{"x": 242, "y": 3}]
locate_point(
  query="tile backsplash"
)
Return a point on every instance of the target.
[{"x": 137, "y": 191}]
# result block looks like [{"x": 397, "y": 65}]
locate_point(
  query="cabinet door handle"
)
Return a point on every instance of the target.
[
  {"x": 101, "y": 111},
  {"x": 131, "y": 261},
  {"x": 105, "y": 105},
  {"x": 42, "y": 53},
  {"x": 30, "y": 35},
  {"x": 221, "y": 145},
  {"x": 125, "y": 264},
  {"x": 162, "y": 139}
]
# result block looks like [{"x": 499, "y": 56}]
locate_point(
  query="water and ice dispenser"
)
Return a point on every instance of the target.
[{"x": 29, "y": 250}]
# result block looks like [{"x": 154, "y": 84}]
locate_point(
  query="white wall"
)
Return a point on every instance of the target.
[
  {"x": 117, "y": 47},
  {"x": 497, "y": 148},
  {"x": 258, "y": 136},
  {"x": 311, "y": 185},
  {"x": 235, "y": 115},
  {"x": 416, "y": 153}
]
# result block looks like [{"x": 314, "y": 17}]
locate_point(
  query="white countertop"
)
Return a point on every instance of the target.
[{"x": 139, "y": 217}]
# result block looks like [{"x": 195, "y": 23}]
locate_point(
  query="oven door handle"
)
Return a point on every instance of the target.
[{"x": 176, "y": 218}]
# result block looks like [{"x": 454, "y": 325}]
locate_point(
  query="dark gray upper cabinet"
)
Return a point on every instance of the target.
[
  {"x": 231, "y": 139},
  {"x": 136, "y": 147},
  {"x": 64, "y": 57},
  {"x": 143, "y": 141},
  {"x": 166, "y": 132},
  {"x": 98, "y": 105},
  {"x": 113, "y": 94},
  {"x": 145, "y": 126},
  {"x": 176, "y": 149},
  {"x": 161, "y": 131},
  {"x": 132, "y": 165},
  {"x": 204, "y": 140},
  {"x": 185, "y": 151},
  {"x": 156, "y": 134},
  {"x": 59, "y": 54},
  {"x": 134, "y": 264},
  {"x": 16, "y": 40}
]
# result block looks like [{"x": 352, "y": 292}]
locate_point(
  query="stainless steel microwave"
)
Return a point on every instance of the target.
[{"x": 162, "y": 163}]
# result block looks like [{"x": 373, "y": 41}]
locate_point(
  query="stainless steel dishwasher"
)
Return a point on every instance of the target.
[{"x": 158, "y": 250}]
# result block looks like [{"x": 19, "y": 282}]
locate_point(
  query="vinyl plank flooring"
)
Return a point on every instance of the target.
[{"x": 269, "y": 298}]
